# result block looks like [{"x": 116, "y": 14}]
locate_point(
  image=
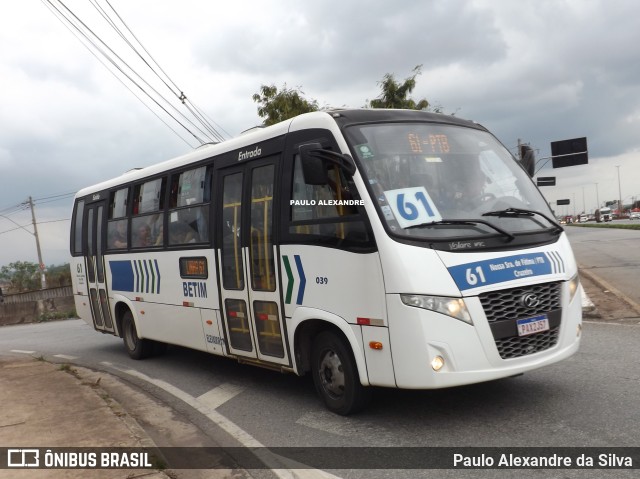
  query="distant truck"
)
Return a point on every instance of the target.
[
  {"x": 584, "y": 218},
  {"x": 603, "y": 214}
]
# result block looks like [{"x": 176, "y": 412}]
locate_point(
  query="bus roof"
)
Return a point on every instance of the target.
[{"x": 323, "y": 119}]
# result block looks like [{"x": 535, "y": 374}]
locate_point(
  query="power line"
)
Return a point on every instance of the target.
[
  {"x": 17, "y": 228},
  {"x": 11, "y": 210},
  {"x": 61, "y": 196},
  {"x": 53, "y": 221},
  {"x": 89, "y": 39},
  {"x": 79, "y": 25},
  {"x": 84, "y": 43},
  {"x": 180, "y": 96}
]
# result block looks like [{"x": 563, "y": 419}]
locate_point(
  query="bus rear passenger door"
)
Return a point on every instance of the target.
[
  {"x": 249, "y": 279},
  {"x": 94, "y": 266}
]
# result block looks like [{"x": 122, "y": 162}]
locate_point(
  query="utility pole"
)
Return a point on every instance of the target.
[
  {"x": 43, "y": 278},
  {"x": 620, "y": 207}
]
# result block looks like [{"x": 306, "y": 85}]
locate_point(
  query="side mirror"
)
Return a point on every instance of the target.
[
  {"x": 528, "y": 159},
  {"x": 314, "y": 169},
  {"x": 314, "y": 163}
]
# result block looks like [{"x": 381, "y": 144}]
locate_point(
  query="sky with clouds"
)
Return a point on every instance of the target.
[{"x": 538, "y": 70}]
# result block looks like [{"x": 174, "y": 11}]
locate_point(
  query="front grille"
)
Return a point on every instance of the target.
[
  {"x": 517, "y": 346},
  {"x": 506, "y": 303},
  {"x": 503, "y": 308}
]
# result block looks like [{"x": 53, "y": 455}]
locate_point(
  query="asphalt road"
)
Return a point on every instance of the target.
[{"x": 589, "y": 400}]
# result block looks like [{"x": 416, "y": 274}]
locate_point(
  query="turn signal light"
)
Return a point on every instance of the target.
[{"x": 375, "y": 344}]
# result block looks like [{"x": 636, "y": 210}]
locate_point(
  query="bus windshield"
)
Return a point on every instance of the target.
[{"x": 440, "y": 181}]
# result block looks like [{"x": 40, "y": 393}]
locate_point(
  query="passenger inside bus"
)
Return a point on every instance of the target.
[
  {"x": 142, "y": 236},
  {"x": 117, "y": 234},
  {"x": 181, "y": 233}
]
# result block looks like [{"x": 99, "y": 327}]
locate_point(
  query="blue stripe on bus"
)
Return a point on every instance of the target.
[
  {"x": 121, "y": 275},
  {"x": 508, "y": 268},
  {"x": 303, "y": 279},
  {"x": 135, "y": 276},
  {"x": 157, "y": 271}
]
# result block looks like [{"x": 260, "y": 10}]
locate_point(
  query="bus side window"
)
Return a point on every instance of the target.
[
  {"x": 327, "y": 213},
  {"x": 117, "y": 225},
  {"x": 77, "y": 229},
  {"x": 189, "y": 206}
]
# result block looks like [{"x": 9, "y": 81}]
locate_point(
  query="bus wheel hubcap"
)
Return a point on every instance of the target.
[{"x": 332, "y": 374}]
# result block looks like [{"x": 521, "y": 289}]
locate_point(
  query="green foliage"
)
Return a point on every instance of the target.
[
  {"x": 622, "y": 226},
  {"x": 395, "y": 94},
  {"x": 25, "y": 276},
  {"x": 276, "y": 106},
  {"x": 21, "y": 275},
  {"x": 58, "y": 275},
  {"x": 55, "y": 315}
]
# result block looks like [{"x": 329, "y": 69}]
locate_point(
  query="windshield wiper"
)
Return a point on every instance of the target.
[
  {"x": 464, "y": 223},
  {"x": 515, "y": 212}
]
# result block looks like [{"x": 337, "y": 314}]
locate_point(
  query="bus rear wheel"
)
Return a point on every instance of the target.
[
  {"x": 335, "y": 375},
  {"x": 136, "y": 347}
]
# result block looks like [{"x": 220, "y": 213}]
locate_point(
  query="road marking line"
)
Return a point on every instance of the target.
[
  {"x": 218, "y": 396},
  {"x": 280, "y": 466},
  {"x": 21, "y": 351},
  {"x": 586, "y": 301},
  {"x": 340, "y": 426},
  {"x": 64, "y": 356}
]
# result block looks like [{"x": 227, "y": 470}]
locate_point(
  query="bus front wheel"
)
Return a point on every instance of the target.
[
  {"x": 335, "y": 375},
  {"x": 136, "y": 347}
]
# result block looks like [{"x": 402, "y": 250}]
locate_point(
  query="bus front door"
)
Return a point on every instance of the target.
[
  {"x": 94, "y": 267},
  {"x": 249, "y": 279}
]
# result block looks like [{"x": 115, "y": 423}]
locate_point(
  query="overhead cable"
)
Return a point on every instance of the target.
[{"x": 92, "y": 41}]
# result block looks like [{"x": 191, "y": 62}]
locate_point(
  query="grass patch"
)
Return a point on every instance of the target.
[
  {"x": 68, "y": 369},
  {"x": 620, "y": 226},
  {"x": 55, "y": 315}
]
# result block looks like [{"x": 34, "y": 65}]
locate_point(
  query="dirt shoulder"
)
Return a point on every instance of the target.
[{"x": 610, "y": 304}]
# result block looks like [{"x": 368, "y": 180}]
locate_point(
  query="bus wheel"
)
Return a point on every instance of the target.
[
  {"x": 335, "y": 375},
  {"x": 136, "y": 347}
]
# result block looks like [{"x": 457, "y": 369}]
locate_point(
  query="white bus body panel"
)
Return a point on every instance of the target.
[
  {"x": 344, "y": 289},
  {"x": 165, "y": 306},
  {"x": 470, "y": 353},
  {"x": 80, "y": 289}
]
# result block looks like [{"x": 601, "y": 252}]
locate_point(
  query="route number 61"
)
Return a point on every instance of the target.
[
  {"x": 475, "y": 275},
  {"x": 412, "y": 206}
]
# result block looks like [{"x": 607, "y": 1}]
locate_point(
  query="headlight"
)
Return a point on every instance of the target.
[
  {"x": 574, "y": 284},
  {"x": 453, "y": 307}
]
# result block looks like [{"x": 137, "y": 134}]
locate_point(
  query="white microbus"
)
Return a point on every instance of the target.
[{"x": 387, "y": 248}]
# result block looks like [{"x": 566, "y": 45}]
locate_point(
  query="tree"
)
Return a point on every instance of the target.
[
  {"x": 59, "y": 275},
  {"x": 276, "y": 106},
  {"x": 21, "y": 275},
  {"x": 394, "y": 94}
]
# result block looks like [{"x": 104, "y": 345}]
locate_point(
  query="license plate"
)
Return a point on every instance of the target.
[{"x": 532, "y": 325}]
